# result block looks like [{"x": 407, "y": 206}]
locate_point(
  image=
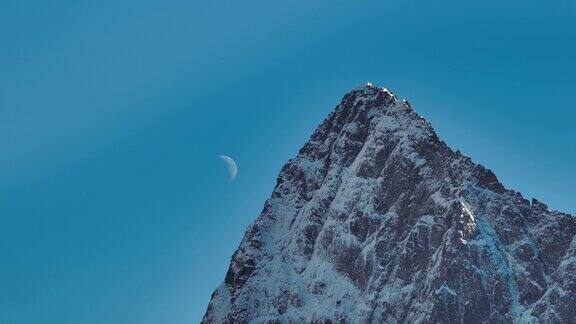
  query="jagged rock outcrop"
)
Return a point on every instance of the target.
[{"x": 377, "y": 220}]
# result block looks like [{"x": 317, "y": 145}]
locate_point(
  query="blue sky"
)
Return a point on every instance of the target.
[{"x": 114, "y": 207}]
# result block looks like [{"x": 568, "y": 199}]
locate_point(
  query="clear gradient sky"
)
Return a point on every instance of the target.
[{"x": 114, "y": 206}]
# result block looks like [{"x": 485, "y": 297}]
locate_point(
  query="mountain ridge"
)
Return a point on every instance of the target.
[{"x": 377, "y": 219}]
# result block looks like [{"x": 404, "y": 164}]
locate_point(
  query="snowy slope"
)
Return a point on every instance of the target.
[{"x": 377, "y": 220}]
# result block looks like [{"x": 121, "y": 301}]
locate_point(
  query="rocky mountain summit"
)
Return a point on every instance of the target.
[{"x": 377, "y": 220}]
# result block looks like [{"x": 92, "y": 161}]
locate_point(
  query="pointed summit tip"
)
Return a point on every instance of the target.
[
  {"x": 369, "y": 86},
  {"x": 365, "y": 86}
]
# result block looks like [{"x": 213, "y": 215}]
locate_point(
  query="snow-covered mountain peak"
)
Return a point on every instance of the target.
[{"x": 378, "y": 220}]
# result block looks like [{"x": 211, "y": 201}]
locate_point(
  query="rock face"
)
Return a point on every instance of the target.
[{"x": 377, "y": 220}]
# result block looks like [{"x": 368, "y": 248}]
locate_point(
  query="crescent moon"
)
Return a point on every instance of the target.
[{"x": 232, "y": 167}]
